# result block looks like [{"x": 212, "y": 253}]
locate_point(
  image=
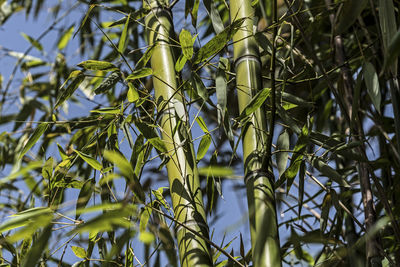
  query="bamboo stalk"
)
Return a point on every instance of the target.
[
  {"x": 258, "y": 178},
  {"x": 182, "y": 170}
]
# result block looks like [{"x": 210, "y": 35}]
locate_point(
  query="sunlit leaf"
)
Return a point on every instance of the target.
[
  {"x": 97, "y": 65},
  {"x": 64, "y": 40},
  {"x": 217, "y": 43},
  {"x": 89, "y": 160},
  {"x": 79, "y": 252},
  {"x": 39, "y": 131}
]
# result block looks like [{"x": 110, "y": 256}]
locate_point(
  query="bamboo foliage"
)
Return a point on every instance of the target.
[{"x": 182, "y": 170}]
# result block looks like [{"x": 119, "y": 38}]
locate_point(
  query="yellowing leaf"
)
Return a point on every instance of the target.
[
  {"x": 133, "y": 94},
  {"x": 79, "y": 252},
  {"x": 97, "y": 65},
  {"x": 62, "y": 43}
]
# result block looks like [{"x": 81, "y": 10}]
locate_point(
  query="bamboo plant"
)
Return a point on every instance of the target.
[
  {"x": 182, "y": 171},
  {"x": 259, "y": 178}
]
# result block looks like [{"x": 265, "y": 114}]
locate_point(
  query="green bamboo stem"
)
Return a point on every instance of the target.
[
  {"x": 182, "y": 171},
  {"x": 259, "y": 179}
]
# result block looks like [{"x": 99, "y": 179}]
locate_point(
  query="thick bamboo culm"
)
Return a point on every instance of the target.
[
  {"x": 259, "y": 180},
  {"x": 182, "y": 171}
]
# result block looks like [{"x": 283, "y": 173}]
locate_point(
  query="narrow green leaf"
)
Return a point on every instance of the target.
[
  {"x": 145, "y": 58},
  {"x": 218, "y": 42},
  {"x": 255, "y": 103},
  {"x": 108, "y": 83},
  {"x": 186, "y": 42},
  {"x": 146, "y": 237},
  {"x": 126, "y": 170},
  {"x": 38, "y": 247},
  {"x": 64, "y": 40},
  {"x": 132, "y": 94},
  {"x": 79, "y": 252},
  {"x": 203, "y": 146},
  {"x": 302, "y": 173},
  {"x": 221, "y": 88},
  {"x": 326, "y": 205},
  {"x": 124, "y": 36},
  {"x": 21, "y": 172},
  {"x": 157, "y": 143},
  {"x": 349, "y": 14},
  {"x": 202, "y": 124},
  {"x": 328, "y": 171},
  {"x": 137, "y": 74},
  {"x": 387, "y": 19},
  {"x": 34, "y": 138},
  {"x": 33, "y": 41},
  {"x": 85, "y": 19},
  {"x": 180, "y": 63},
  {"x": 283, "y": 143},
  {"x": 372, "y": 83},
  {"x": 77, "y": 78},
  {"x": 393, "y": 51},
  {"x": 47, "y": 169},
  {"x": 89, "y": 160},
  {"x": 97, "y": 65},
  {"x": 84, "y": 195},
  {"x": 199, "y": 86},
  {"x": 216, "y": 20},
  {"x": 107, "y": 111}
]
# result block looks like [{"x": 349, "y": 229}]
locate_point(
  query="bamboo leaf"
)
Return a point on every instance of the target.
[
  {"x": 21, "y": 172},
  {"x": 372, "y": 83},
  {"x": 64, "y": 40},
  {"x": 218, "y": 42},
  {"x": 133, "y": 94},
  {"x": 255, "y": 103},
  {"x": 302, "y": 173},
  {"x": 107, "y": 111},
  {"x": 387, "y": 21},
  {"x": 97, "y": 65},
  {"x": 84, "y": 195},
  {"x": 137, "y": 74},
  {"x": 180, "y": 63},
  {"x": 124, "y": 36},
  {"x": 283, "y": 143},
  {"x": 350, "y": 12},
  {"x": 33, "y": 41},
  {"x": 158, "y": 144},
  {"x": 203, "y": 146},
  {"x": 221, "y": 88},
  {"x": 47, "y": 169},
  {"x": 393, "y": 51},
  {"x": 108, "y": 83},
  {"x": 79, "y": 252},
  {"x": 145, "y": 58},
  {"x": 126, "y": 170},
  {"x": 186, "y": 41},
  {"x": 34, "y": 138},
  {"x": 199, "y": 86},
  {"x": 77, "y": 78},
  {"x": 25, "y": 217},
  {"x": 202, "y": 124},
  {"x": 85, "y": 19},
  {"x": 216, "y": 20},
  {"x": 328, "y": 171},
  {"x": 89, "y": 160},
  {"x": 38, "y": 247}
]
